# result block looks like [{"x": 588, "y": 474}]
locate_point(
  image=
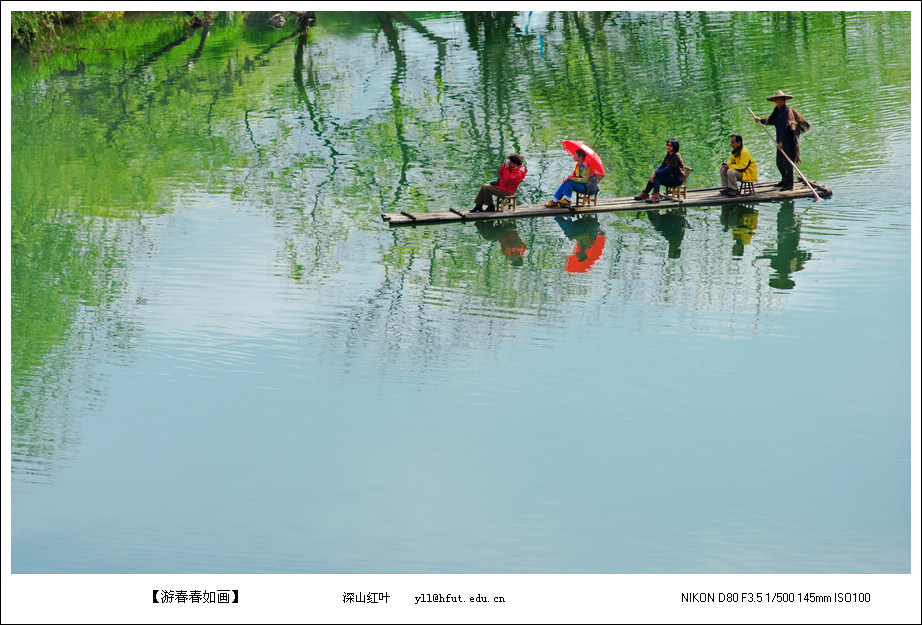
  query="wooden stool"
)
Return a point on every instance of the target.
[
  {"x": 746, "y": 188},
  {"x": 675, "y": 192},
  {"x": 584, "y": 199},
  {"x": 508, "y": 201},
  {"x": 682, "y": 189}
]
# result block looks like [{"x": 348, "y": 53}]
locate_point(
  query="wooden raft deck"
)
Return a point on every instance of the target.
[{"x": 764, "y": 192}]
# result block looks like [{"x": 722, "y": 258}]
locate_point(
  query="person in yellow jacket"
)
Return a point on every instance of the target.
[{"x": 740, "y": 167}]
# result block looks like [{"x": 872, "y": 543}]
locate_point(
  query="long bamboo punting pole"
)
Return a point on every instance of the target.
[{"x": 804, "y": 178}]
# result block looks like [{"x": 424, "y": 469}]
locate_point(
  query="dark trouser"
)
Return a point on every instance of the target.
[
  {"x": 487, "y": 192},
  {"x": 784, "y": 165},
  {"x": 660, "y": 179}
]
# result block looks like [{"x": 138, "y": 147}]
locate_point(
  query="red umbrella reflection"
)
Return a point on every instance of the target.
[
  {"x": 582, "y": 260},
  {"x": 591, "y": 157}
]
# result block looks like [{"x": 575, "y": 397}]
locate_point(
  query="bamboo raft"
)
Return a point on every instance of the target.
[{"x": 763, "y": 192}]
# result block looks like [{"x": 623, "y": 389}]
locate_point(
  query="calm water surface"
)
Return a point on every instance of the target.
[{"x": 224, "y": 361}]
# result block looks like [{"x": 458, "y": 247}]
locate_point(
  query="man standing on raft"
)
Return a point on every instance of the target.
[{"x": 789, "y": 125}]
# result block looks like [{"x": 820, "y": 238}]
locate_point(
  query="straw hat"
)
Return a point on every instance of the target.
[{"x": 780, "y": 94}]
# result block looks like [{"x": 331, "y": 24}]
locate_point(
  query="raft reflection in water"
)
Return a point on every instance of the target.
[{"x": 508, "y": 236}]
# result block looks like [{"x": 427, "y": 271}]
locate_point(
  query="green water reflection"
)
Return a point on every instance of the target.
[{"x": 305, "y": 137}]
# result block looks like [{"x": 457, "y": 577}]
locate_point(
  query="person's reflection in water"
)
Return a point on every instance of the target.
[
  {"x": 743, "y": 221},
  {"x": 506, "y": 233},
  {"x": 787, "y": 258},
  {"x": 671, "y": 225},
  {"x": 589, "y": 237}
]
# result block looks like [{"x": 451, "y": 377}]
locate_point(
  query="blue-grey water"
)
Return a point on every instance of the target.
[{"x": 224, "y": 361}]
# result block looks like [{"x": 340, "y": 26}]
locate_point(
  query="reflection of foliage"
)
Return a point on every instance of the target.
[
  {"x": 80, "y": 40},
  {"x": 370, "y": 112},
  {"x": 397, "y": 127},
  {"x": 628, "y": 83},
  {"x": 65, "y": 270},
  {"x": 94, "y": 153},
  {"x": 29, "y": 28},
  {"x": 375, "y": 114}
]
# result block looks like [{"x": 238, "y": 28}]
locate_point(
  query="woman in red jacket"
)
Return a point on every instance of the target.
[{"x": 511, "y": 174}]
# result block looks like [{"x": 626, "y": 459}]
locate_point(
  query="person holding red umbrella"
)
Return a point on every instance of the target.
[{"x": 577, "y": 181}]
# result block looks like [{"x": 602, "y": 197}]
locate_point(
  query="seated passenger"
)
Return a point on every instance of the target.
[
  {"x": 671, "y": 174},
  {"x": 511, "y": 174},
  {"x": 741, "y": 167},
  {"x": 577, "y": 181}
]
